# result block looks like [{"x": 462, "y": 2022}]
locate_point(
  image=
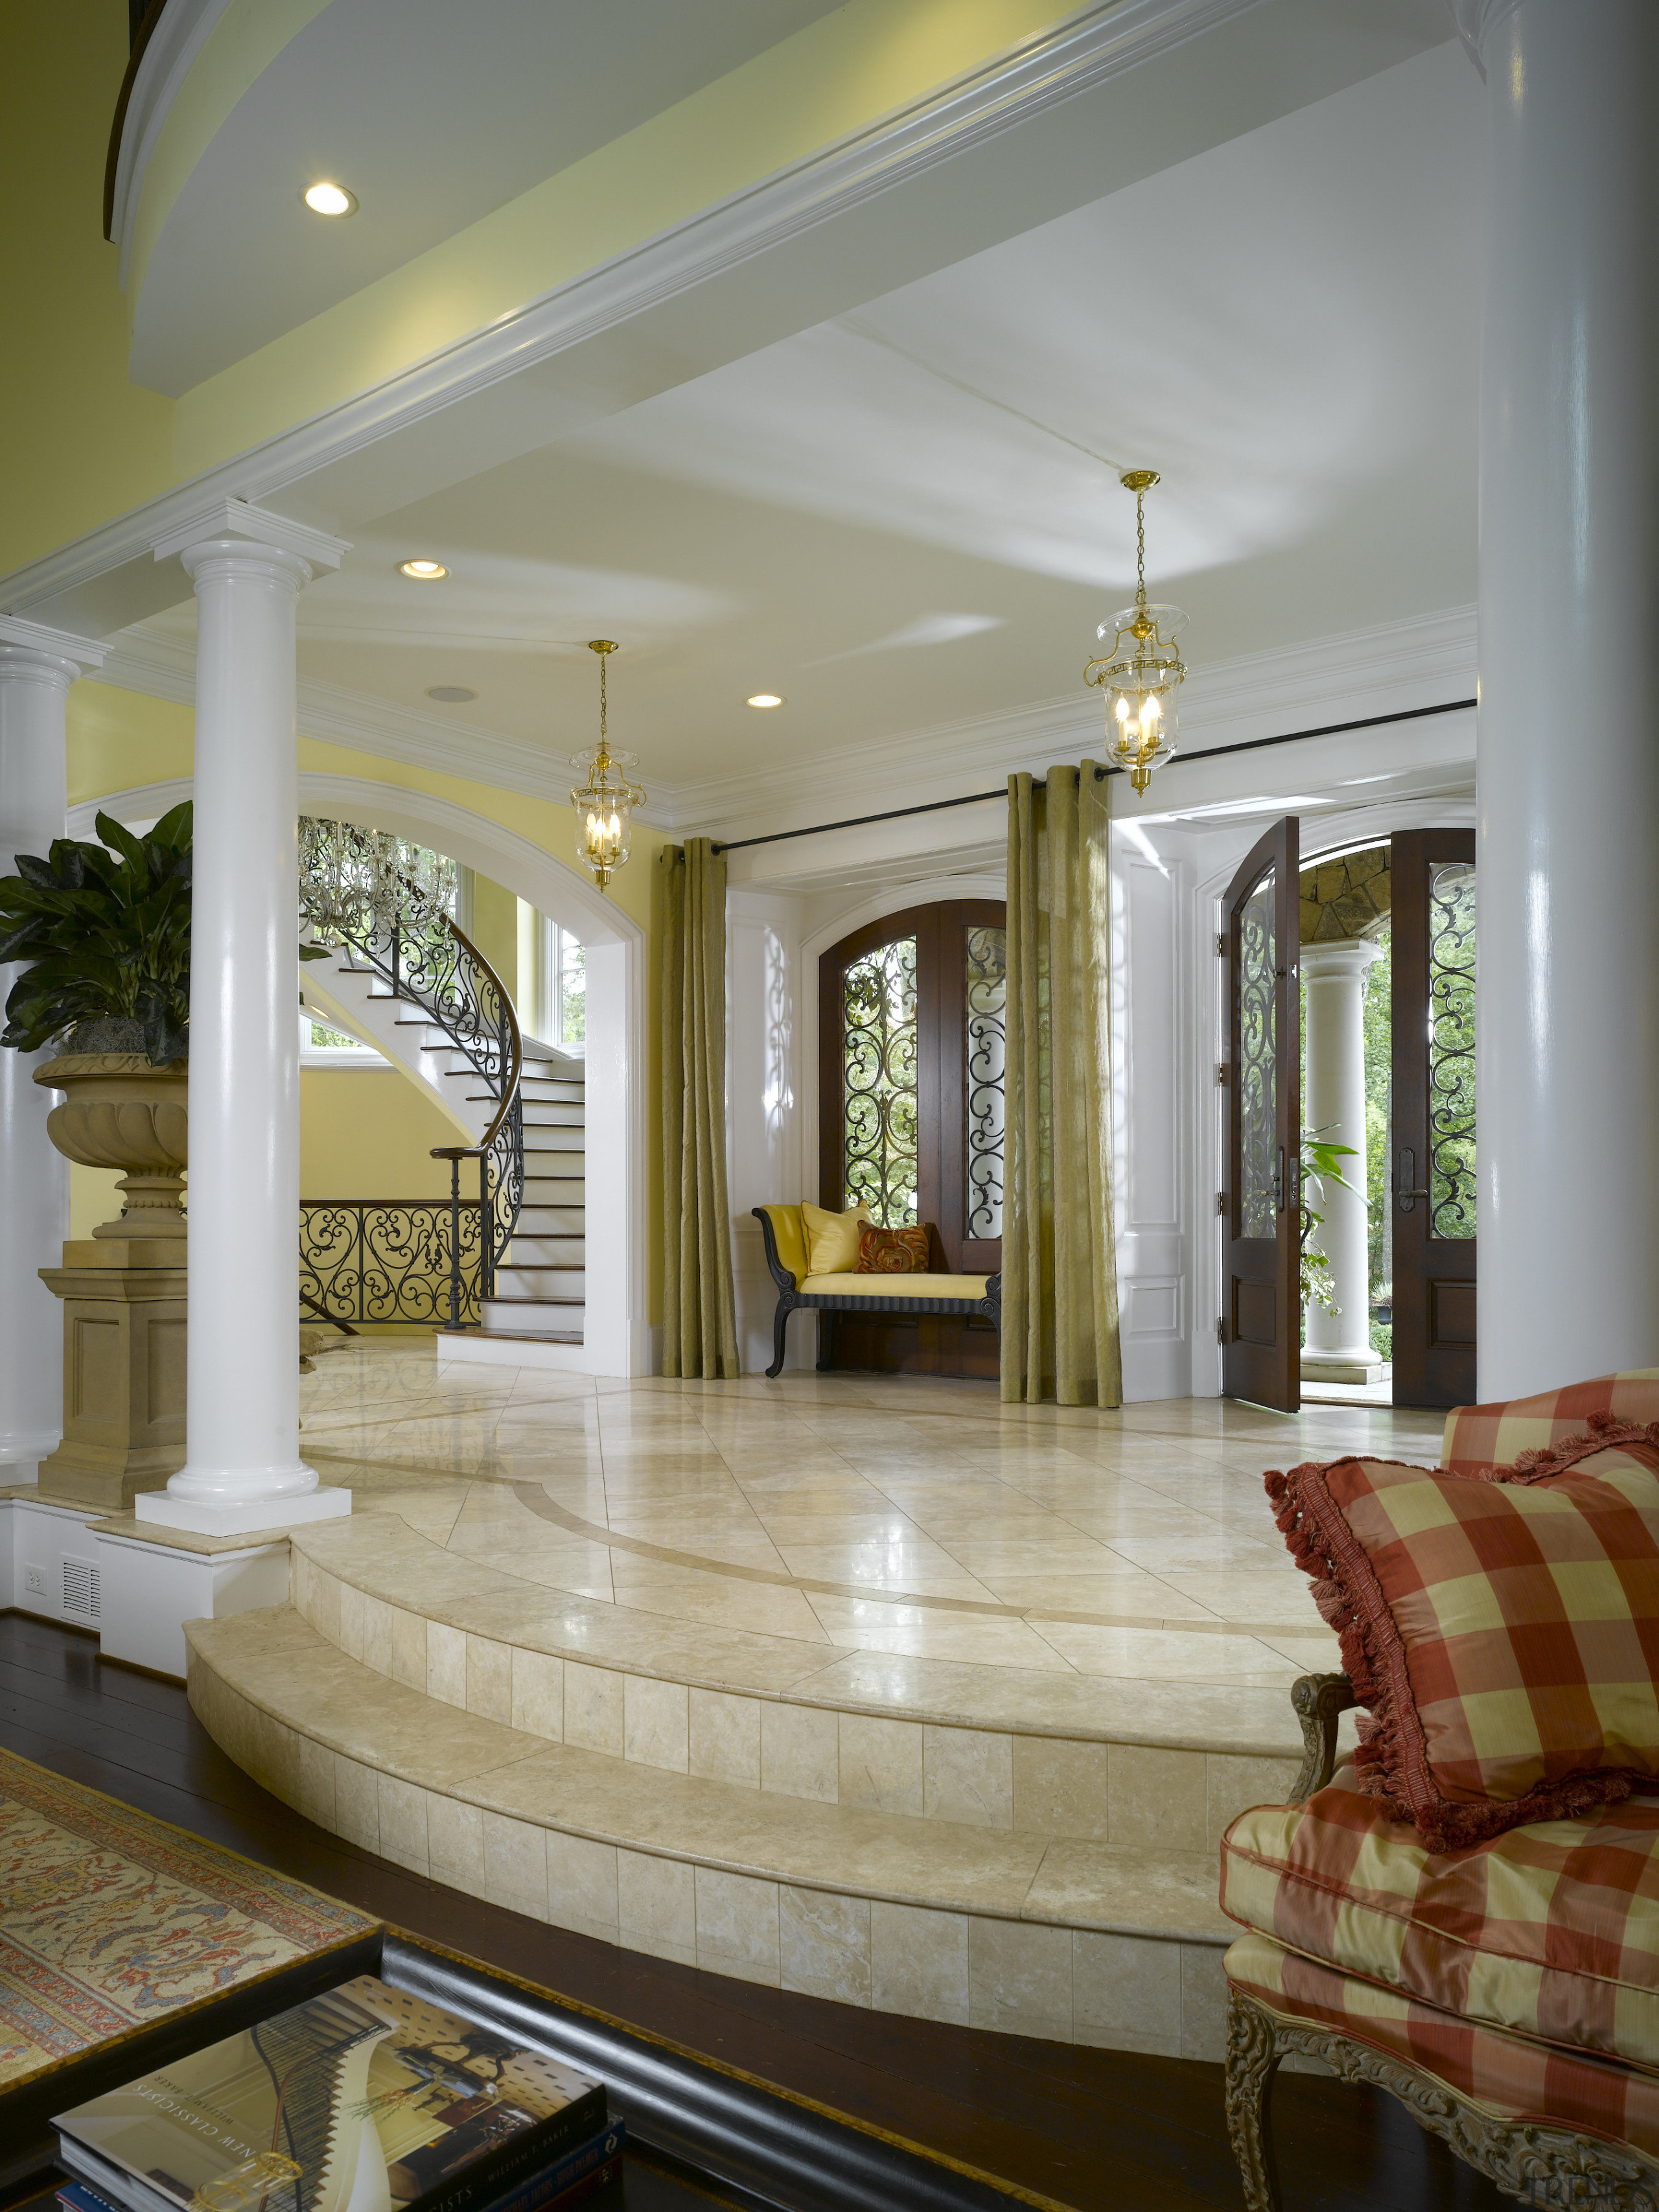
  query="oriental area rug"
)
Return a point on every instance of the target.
[{"x": 109, "y": 1920}]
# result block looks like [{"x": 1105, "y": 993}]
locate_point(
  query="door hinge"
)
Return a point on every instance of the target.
[
  {"x": 1222, "y": 1071},
  {"x": 1221, "y": 944},
  {"x": 1221, "y": 1202},
  {"x": 1220, "y": 1329}
]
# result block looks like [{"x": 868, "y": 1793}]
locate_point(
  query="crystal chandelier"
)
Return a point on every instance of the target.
[
  {"x": 1142, "y": 671},
  {"x": 606, "y": 801},
  {"x": 354, "y": 883}
]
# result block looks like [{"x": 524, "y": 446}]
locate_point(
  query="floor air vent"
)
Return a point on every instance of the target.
[{"x": 81, "y": 1589}]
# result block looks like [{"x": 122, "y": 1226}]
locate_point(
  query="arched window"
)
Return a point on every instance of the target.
[{"x": 910, "y": 1059}]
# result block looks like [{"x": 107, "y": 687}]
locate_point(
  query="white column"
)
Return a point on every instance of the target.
[
  {"x": 37, "y": 667},
  {"x": 243, "y": 1469},
  {"x": 1338, "y": 1347},
  {"x": 1567, "y": 1008}
]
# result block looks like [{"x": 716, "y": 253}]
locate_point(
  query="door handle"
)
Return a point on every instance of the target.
[
  {"x": 1279, "y": 1182},
  {"x": 1404, "y": 1196}
]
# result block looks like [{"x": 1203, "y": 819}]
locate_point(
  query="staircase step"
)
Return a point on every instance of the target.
[
  {"x": 555, "y": 1222},
  {"x": 529, "y": 1250},
  {"x": 933, "y": 1918},
  {"x": 541, "y": 1280}
]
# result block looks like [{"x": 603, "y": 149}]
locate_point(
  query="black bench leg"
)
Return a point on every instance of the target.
[{"x": 780, "y": 1322}]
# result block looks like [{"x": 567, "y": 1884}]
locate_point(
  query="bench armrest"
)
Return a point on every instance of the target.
[
  {"x": 1318, "y": 1701},
  {"x": 780, "y": 1274}
]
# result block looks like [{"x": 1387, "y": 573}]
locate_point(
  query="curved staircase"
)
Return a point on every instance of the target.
[
  {"x": 1033, "y": 1853},
  {"x": 537, "y": 1292}
]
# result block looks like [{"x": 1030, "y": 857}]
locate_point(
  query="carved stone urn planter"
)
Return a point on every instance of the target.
[
  {"x": 118, "y": 1111},
  {"x": 123, "y": 1289}
]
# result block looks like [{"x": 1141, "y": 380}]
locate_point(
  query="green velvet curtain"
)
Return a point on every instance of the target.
[
  {"x": 699, "y": 1328},
  {"x": 1060, "y": 1335}
]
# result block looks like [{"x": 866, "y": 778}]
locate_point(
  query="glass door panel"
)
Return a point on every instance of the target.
[
  {"x": 1261, "y": 1320},
  {"x": 1432, "y": 1194}
]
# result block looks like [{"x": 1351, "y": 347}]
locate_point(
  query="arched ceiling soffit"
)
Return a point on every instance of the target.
[{"x": 432, "y": 114}]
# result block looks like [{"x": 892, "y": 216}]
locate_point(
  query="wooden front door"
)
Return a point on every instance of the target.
[
  {"x": 910, "y": 1114},
  {"x": 1261, "y": 1198},
  {"x": 1432, "y": 1172}
]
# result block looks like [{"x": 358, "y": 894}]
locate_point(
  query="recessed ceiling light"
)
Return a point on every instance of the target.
[
  {"x": 330, "y": 199},
  {"x": 453, "y": 694},
  {"x": 764, "y": 699},
  {"x": 424, "y": 572}
]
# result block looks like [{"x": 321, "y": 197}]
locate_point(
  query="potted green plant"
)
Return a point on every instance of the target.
[{"x": 102, "y": 934}]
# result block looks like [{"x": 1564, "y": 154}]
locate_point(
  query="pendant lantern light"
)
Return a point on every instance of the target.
[
  {"x": 606, "y": 800},
  {"x": 1141, "y": 671}
]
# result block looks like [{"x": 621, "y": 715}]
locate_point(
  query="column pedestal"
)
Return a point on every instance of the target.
[
  {"x": 124, "y": 1371},
  {"x": 1339, "y": 1347}
]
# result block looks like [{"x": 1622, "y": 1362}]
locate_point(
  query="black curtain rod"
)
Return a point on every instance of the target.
[{"x": 1212, "y": 752}]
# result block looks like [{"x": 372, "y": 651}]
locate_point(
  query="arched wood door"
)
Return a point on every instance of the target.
[{"x": 910, "y": 1110}]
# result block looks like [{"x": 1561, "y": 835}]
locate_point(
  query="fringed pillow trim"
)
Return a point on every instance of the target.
[
  {"x": 1392, "y": 1762},
  {"x": 1556, "y": 1459}
]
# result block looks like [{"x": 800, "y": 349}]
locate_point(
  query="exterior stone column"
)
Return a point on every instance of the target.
[
  {"x": 242, "y": 1469},
  {"x": 37, "y": 667},
  {"x": 1338, "y": 1347},
  {"x": 1567, "y": 1013}
]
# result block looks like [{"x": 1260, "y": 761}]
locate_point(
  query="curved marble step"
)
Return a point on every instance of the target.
[
  {"x": 1074, "y": 1941},
  {"x": 1132, "y": 1763}
]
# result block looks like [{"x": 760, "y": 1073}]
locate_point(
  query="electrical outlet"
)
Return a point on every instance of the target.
[{"x": 34, "y": 1578}]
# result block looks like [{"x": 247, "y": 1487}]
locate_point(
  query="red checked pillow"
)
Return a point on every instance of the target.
[
  {"x": 1502, "y": 1633},
  {"x": 892, "y": 1251}
]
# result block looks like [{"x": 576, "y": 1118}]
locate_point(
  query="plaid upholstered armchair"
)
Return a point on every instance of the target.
[{"x": 1467, "y": 1913}]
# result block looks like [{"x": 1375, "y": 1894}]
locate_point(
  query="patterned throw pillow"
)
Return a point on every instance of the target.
[
  {"x": 1502, "y": 1633},
  {"x": 892, "y": 1251}
]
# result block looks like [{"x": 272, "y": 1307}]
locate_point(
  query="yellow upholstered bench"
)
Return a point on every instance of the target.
[{"x": 786, "y": 1255}]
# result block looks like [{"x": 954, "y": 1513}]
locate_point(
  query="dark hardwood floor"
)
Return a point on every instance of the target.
[{"x": 1104, "y": 2131}]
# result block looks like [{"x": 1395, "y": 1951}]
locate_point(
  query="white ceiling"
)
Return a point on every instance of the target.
[
  {"x": 908, "y": 515},
  {"x": 432, "y": 114}
]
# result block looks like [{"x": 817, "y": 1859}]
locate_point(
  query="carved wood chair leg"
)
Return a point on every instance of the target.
[
  {"x": 779, "y": 1324},
  {"x": 1253, "y": 2058}
]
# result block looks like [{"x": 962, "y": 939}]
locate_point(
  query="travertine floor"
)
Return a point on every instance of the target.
[{"x": 862, "y": 1512}]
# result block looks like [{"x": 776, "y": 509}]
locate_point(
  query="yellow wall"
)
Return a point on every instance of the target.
[
  {"x": 495, "y": 932},
  {"x": 120, "y": 740},
  {"x": 368, "y": 1132}
]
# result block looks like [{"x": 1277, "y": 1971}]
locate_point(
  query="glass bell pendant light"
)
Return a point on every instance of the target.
[
  {"x": 606, "y": 800},
  {"x": 1142, "y": 671}
]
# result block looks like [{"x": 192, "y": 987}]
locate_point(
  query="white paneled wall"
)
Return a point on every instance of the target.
[
  {"x": 1150, "y": 1146},
  {"x": 764, "y": 1121}
]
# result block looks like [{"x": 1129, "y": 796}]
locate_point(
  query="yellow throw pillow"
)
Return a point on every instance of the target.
[{"x": 832, "y": 1239}]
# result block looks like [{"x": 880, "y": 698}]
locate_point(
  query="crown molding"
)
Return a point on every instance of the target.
[
  {"x": 146, "y": 659},
  {"x": 1391, "y": 668},
  {"x": 1096, "y": 45}
]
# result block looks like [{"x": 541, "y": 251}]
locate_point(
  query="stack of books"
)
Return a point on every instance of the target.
[{"x": 362, "y": 2100}]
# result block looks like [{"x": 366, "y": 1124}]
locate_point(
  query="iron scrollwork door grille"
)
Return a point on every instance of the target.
[{"x": 1261, "y": 1143}]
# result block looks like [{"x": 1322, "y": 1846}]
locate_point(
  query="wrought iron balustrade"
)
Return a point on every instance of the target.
[
  {"x": 388, "y": 1259},
  {"x": 386, "y": 903}
]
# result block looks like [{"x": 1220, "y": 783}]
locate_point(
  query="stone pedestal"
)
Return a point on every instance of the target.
[{"x": 124, "y": 1371}]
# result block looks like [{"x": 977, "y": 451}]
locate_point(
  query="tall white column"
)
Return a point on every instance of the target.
[
  {"x": 37, "y": 667},
  {"x": 1567, "y": 1005},
  {"x": 1339, "y": 1347},
  {"x": 243, "y": 1469}
]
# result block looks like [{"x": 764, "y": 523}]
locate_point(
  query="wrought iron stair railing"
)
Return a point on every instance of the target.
[{"x": 386, "y": 905}]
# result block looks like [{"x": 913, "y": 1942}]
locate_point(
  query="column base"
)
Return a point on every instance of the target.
[
  {"x": 1341, "y": 1366},
  {"x": 161, "y": 1509}
]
